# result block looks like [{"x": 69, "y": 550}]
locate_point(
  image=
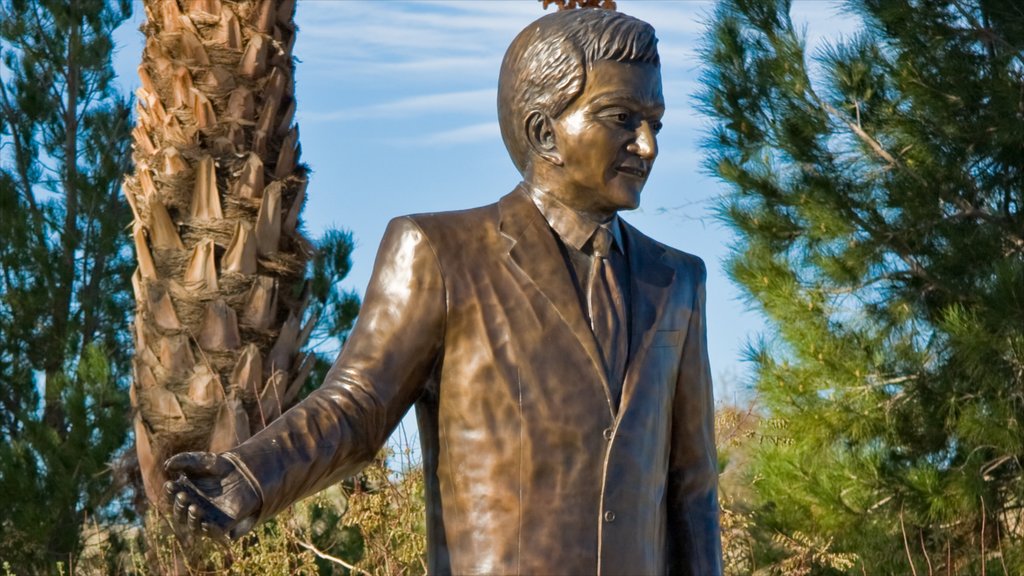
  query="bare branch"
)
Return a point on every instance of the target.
[
  {"x": 906, "y": 545},
  {"x": 329, "y": 558},
  {"x": 570, "y": 4}
]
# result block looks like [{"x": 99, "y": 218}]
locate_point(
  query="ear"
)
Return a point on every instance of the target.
[{"x": 541, "y": 136}]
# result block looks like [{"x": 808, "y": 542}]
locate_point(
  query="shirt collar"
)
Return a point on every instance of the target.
[{"x": 572, "y": 227}]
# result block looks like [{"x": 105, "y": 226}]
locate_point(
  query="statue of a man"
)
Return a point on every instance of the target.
[{"x": 556, "y": 356}]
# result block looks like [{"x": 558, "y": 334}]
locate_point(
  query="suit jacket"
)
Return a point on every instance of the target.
[{"x": 473, "y": 317}]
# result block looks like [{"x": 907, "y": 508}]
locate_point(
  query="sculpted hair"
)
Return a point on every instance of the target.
[{"x": 546, "y": 65}]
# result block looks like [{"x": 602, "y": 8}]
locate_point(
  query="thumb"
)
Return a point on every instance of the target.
[{"x": 192, "y": 463}]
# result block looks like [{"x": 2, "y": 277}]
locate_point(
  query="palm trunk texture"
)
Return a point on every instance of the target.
[{"x": 216, "y": 195}]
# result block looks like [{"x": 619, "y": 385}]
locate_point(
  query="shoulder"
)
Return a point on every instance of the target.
[
  {"x": 442, "y": 233},
  {"x": 439, "y": 226},
  {"x": 689, "y": 265}
]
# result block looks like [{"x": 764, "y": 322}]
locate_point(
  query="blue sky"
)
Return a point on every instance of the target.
[{"x": 396, "y": 111}]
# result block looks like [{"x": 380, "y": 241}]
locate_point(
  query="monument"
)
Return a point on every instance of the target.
[{"x": 556, "y": 357}]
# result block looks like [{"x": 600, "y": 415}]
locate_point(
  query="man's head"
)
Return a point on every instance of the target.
[
  {"x": 545, "y": 67},
  {"x": 551, "y": 66}
]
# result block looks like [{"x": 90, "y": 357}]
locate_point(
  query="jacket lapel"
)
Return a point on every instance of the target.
[
  {"x": 651, "y": 279},
  {"x": 535, "y": 251}
]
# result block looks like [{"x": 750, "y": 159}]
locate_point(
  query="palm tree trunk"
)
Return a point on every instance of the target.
[{"x": 216, "y": 195}]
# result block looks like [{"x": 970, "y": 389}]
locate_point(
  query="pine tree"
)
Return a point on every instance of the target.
[
  {"x": 64, "y": 271},
  {"x": 876, "y": 192}
]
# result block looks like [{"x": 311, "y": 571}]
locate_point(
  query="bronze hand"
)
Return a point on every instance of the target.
[{"x": 210, "y": 496}]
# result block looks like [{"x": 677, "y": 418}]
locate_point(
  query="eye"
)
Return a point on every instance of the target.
[
  {"x": 617, "y": 114},
  {"x": 656, "y": 126}
]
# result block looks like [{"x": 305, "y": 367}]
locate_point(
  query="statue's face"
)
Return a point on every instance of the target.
[{"x": 607, "y": 138}]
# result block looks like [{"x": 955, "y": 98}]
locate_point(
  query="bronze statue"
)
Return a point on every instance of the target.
[{"x": 556, "y": 356}]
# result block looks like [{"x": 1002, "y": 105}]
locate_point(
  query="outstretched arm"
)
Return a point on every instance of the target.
[{"x": 337, "y": 429}]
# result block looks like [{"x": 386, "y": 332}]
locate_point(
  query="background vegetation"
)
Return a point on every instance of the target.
[
  {"x": 876, "y": 191},
  {"x": 64, "y": 269}
]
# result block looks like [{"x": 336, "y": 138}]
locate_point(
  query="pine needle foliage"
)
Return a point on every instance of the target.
[
  {"x": 64, "y": 270},
  {"x": 876, "y": 189}
]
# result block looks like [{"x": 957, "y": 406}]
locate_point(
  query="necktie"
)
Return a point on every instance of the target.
[{"x": 607, "y": 310}]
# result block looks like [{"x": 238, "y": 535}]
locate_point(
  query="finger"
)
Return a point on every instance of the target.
[
  {"x": 170, "y": 492},
  {"x": 191, "y": 462},
  {"x": 196, "y": 516},
  {"x": 182, "y": 485},
  {"x": 182, "y": 502}
]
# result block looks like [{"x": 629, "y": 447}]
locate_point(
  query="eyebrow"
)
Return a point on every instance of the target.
[{"x": 613, "y": 98}]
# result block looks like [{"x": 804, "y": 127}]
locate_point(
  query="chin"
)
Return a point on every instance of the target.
[
  {"x": 627, "y": 200},
  {"x": 623, "y": 192}
]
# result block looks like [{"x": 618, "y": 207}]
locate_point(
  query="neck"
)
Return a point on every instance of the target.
[
  {"x": 597, "y": 217},
  {"x": 544, "y": 181}
]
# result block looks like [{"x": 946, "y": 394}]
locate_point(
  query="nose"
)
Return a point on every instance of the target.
[{"x": 646, "y": 143}]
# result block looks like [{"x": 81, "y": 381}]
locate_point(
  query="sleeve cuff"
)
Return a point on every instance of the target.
[{"x": 248, "y": 475}]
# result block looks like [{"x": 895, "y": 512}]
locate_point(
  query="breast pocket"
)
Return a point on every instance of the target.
[{"x": 667, "y": 339}]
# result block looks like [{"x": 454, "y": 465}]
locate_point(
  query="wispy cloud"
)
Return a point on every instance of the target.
[
  {"x": 471, "y": 134},
  {"x": 684, "y": 17},
  {"x": 461, "y": 65},
  {"x": 407, "y": 28},
  {"x": 458, "y": 37},
  {"x": 497, "y": 9},
  {"x": 462, "y": 102}
]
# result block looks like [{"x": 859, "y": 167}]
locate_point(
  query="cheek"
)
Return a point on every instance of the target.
[
  {"x": 603, "y": 151},
  {"x": 588, "y": 153}
]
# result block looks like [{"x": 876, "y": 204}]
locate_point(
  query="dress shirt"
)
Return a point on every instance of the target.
[{"x": 574, "y": 232}]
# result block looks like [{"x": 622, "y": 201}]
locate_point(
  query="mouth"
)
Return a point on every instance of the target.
[{"x": 634, "y": 171}]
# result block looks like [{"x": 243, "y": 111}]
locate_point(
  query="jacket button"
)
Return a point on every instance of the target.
[
  {"x": 608, "y": 433},
  {"x": 609, "y": 516}
]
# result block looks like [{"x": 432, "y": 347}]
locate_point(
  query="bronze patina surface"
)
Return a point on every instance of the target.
[{"x": 558, "y": 438}]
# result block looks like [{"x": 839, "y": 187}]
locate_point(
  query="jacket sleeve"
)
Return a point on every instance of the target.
[
  {"x": 381, "y": 371},
  {"x": 694, "y": 543}
]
